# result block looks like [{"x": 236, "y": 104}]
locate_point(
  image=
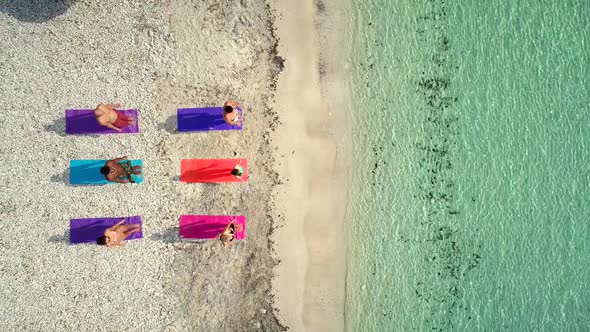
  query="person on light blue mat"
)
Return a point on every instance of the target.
[{"x": 120, "y": 170}]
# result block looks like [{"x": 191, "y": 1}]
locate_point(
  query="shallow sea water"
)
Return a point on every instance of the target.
[{"x": 470, "y": 209}]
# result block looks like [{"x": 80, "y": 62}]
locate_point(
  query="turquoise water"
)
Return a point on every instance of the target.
[{"x": 471, "y": 201}]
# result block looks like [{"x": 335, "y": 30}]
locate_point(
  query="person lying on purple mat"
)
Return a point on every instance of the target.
[
  {"x": 120, "y": 170},
  {"x": 227, "y": 236},
  {"x": 231, "y": 114},
  {"x": 108, "y": 116},
  {"x": 116, "y": 234}
]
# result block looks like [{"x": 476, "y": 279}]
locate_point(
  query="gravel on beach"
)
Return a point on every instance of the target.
[{"x": 154, "y": 56}]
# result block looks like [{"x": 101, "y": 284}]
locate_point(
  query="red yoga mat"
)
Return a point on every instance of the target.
[{"x": 211, "y": 170}]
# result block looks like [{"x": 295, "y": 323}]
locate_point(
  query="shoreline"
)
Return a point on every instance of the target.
[{"x": 310, "y": 280}]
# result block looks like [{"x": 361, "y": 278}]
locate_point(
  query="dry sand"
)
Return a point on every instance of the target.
[
  {"x": 312, "y": 153},
  {"x": 154, "y": 56}
]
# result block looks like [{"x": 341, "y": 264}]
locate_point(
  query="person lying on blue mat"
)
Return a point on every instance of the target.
[
  {"x": 231, "y": 114},
  {"x": 120, "y": 170}
]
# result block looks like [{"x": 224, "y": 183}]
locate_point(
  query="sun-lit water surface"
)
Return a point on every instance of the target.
[{"x": 470, "y": 206}]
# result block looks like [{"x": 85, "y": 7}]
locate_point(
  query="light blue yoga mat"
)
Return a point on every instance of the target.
[{"x": 88, "y": 172}]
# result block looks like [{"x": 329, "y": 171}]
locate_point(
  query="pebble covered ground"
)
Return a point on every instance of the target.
[{"x": 154, "y": 56}]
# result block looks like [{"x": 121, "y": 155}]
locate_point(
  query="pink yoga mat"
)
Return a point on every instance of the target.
[{"x": 208, "y": 227}]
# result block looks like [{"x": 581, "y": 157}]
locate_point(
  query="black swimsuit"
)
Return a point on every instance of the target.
[{"x": 231, "y": 231}]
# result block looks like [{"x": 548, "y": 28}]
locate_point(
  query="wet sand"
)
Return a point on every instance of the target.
[{"x": 311, "y": 239}]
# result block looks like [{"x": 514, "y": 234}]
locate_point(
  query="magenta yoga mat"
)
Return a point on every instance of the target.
[{"x": 208, "y": 227}]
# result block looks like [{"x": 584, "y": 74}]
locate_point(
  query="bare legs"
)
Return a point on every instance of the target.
[
  {"x": 130, "y": 229},
  {"x": 136, "y": 170}
]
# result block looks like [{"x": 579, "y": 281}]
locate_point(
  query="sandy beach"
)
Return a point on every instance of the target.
[
  {"x": 156, "y": 57},
  {"x": 313, "y": 158}
]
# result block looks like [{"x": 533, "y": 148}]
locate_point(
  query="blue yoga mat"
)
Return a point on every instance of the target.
[{"x": 88, "y": 172}]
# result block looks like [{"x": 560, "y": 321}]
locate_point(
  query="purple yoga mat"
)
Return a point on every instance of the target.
[
  {"x": 203, "y": 119},
  {"x": 89, "y": 229},
  {"x": 83, "y": 122}
]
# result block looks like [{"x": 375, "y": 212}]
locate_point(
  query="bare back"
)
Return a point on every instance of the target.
[
  {"x": 118, "y": 173},
  {"x": 105, "y": 114}
]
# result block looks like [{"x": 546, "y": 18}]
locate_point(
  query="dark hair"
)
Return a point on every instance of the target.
[
  {"x": 105, "y": 170},
  {"x": 236, "y": 172},
  {"x": 102, "y": 240},
  {"x": 228, "y": 109}
]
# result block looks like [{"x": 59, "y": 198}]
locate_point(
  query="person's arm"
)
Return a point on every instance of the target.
[
  {"x": 112, "y": 178},
  {"x": 108, "y": 106},
  {"x": 232, "y": 103},
  {"x": 237, "y": 119},
  {"x": 219, "y": 238},
  {"x": 116, "y": 160},
  {"x": 226, "y": 244},
  {"x": 129, "y": 178},
  {"x": 121, "y": 222},
  {"x": 109, "y": 125},
  {"x": 241, "y": 177},
  {"x": 112, "y": 228}
]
